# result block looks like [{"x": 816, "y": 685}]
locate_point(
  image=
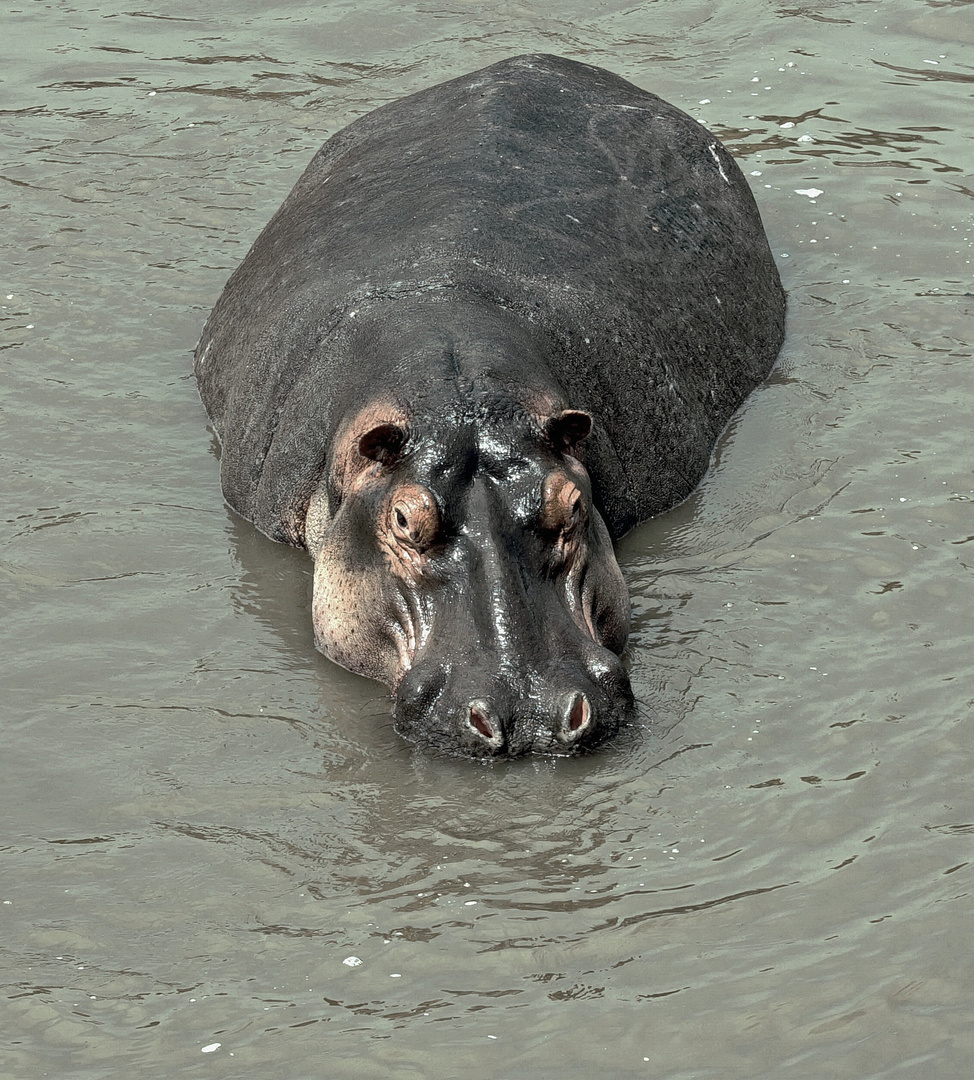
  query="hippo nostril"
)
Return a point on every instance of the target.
[
  {"x": 479, "y": 722},
  {"x": 484, "y": 725},
  {"x": 580, "y": 714},
  {"x": 576, "y": 719}
]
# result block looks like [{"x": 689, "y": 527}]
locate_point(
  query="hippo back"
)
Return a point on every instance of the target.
[{"x": 610, "y": 221}]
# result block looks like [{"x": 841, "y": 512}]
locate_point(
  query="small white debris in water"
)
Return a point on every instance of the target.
[
  {"x": 811, "y": 192},
  {"x": 805, "y": 138},
  {"x": 351, "y": 961},
  {"x": 209, "y": 1049},
  {"x": 756, "y": 172},
  {"x": 395, "y": 976},
  {"x": 491, "y": 1036},
  {"x": 470, "y": 903},
  {"x": 786, "y": 124},
  {"x": 704, "y": 101}
]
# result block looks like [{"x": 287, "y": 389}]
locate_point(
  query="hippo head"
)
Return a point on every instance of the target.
[{"x": 461, "y": 561}]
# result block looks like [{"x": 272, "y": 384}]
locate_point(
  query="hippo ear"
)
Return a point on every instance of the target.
[
  {"x": 384, "y": 444},
  {"x": 566, "y": 430}
]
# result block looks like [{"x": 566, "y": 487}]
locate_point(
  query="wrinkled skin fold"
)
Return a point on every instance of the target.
[{"x": 494, "y": 326}]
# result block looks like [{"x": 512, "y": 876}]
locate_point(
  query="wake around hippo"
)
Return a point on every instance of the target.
[{"x": 495, "y": 325}]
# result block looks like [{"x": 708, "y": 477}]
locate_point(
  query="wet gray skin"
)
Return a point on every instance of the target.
[{"x": 494, "y": 326}]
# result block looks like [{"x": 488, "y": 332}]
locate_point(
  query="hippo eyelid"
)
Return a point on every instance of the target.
[{"x": 413, "y": 516}]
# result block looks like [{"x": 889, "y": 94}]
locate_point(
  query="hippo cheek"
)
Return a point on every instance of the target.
[
  {"x": 598, "y": 594},
  {"x": 356, "y": 623}
]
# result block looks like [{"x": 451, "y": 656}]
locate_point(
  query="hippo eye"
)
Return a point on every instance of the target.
[
  {"x": 414, "y": 518},
  {"x": 563, "y": 506}
]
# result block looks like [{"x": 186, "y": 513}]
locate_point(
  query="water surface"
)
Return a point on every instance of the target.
[{"x": 203, "y": 819}]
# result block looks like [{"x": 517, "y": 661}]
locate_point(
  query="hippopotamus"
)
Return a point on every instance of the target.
[{"x": 495, "y": 325}]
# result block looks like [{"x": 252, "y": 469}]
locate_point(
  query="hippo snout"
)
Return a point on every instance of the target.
[
  {"x": 566, "y": 724},
  {"x": 445, "y": 711}
]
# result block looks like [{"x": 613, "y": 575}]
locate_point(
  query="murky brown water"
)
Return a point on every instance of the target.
[{"x": 202, "y": 820}]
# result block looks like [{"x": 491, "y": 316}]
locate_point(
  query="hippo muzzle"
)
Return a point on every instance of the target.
[
  {"x": 517, "y": 659},
  {"x": 561, "y": 709}
]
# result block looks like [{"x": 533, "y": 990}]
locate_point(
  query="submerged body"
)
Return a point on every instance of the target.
[{"x": 495, "y": 325}]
